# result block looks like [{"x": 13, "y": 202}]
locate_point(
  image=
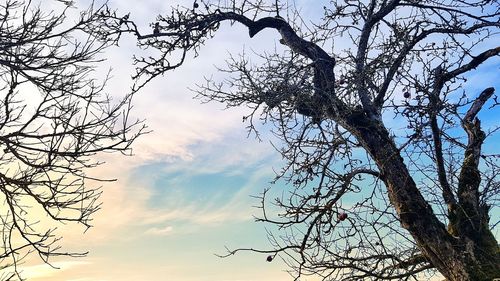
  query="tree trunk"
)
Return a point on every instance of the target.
[{"x": 457, "y": 258}]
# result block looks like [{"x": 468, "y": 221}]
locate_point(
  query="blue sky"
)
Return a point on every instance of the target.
[{"x": 185, "y": 195}]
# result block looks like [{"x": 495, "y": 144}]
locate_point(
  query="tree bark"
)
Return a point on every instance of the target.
[
  {"x": 464, "y": 251},
  {"x": 457, "y": 258}
]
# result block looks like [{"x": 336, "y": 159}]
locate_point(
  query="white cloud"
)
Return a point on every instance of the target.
[{"x": 160, "y": 231}]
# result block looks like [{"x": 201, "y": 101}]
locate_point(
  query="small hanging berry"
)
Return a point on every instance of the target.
[{"x": 342, "y": 216}]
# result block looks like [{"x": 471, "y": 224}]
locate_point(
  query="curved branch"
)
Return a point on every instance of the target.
[
  {"x": 190, "y": 30},
  {"x": 470, "y": 178},
  {"x": 475, "y": 62},
  {"x": 362, "y": 51}
]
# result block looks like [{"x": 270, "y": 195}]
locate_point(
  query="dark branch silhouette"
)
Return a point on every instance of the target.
[
  {"x": 54, "y": 118},
  {"x": 419, "y": 192}
]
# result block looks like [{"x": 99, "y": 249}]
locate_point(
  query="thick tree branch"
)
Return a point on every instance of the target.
[
  {"x": 362, "y": 53},
  {"x": 471, "y": 218},
  {"x": 188, "y": 32},
  {"x": 386, "y": 59},
  {"x": 475, "y": 62},
  {"x": 477, "y": 105},
  {"x": 435, "y": 106},
  {"x": 448, "y": 196}
]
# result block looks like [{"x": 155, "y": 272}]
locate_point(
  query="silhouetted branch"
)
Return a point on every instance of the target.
[{"x": 54, "y": 119}]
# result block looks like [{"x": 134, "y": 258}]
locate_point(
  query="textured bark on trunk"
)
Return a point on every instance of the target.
[
  {"x": 461, "y": 258},
  {"x": 473, "y": 255}
]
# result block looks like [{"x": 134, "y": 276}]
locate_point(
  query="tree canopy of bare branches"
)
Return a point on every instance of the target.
[
  {"x": 368, "y": 199},
  {"x": 54, "y": 117}
]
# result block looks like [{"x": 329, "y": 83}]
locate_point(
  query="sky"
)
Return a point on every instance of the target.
[{"x": 186, "y": 193}]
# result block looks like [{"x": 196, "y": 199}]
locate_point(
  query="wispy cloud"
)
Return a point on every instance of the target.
[
  {"x": 160, "y": 231},
  {"x": 42, "y": 271},
  {"x": 87, "y": 279}
]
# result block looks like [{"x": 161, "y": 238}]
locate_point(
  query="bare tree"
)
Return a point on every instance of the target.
[
  {"x": 369, "y": 199},
  {"x": 54, "y": 117}
]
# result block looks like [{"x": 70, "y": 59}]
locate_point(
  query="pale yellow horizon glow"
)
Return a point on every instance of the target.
[{"x": 185, "y": 193}]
